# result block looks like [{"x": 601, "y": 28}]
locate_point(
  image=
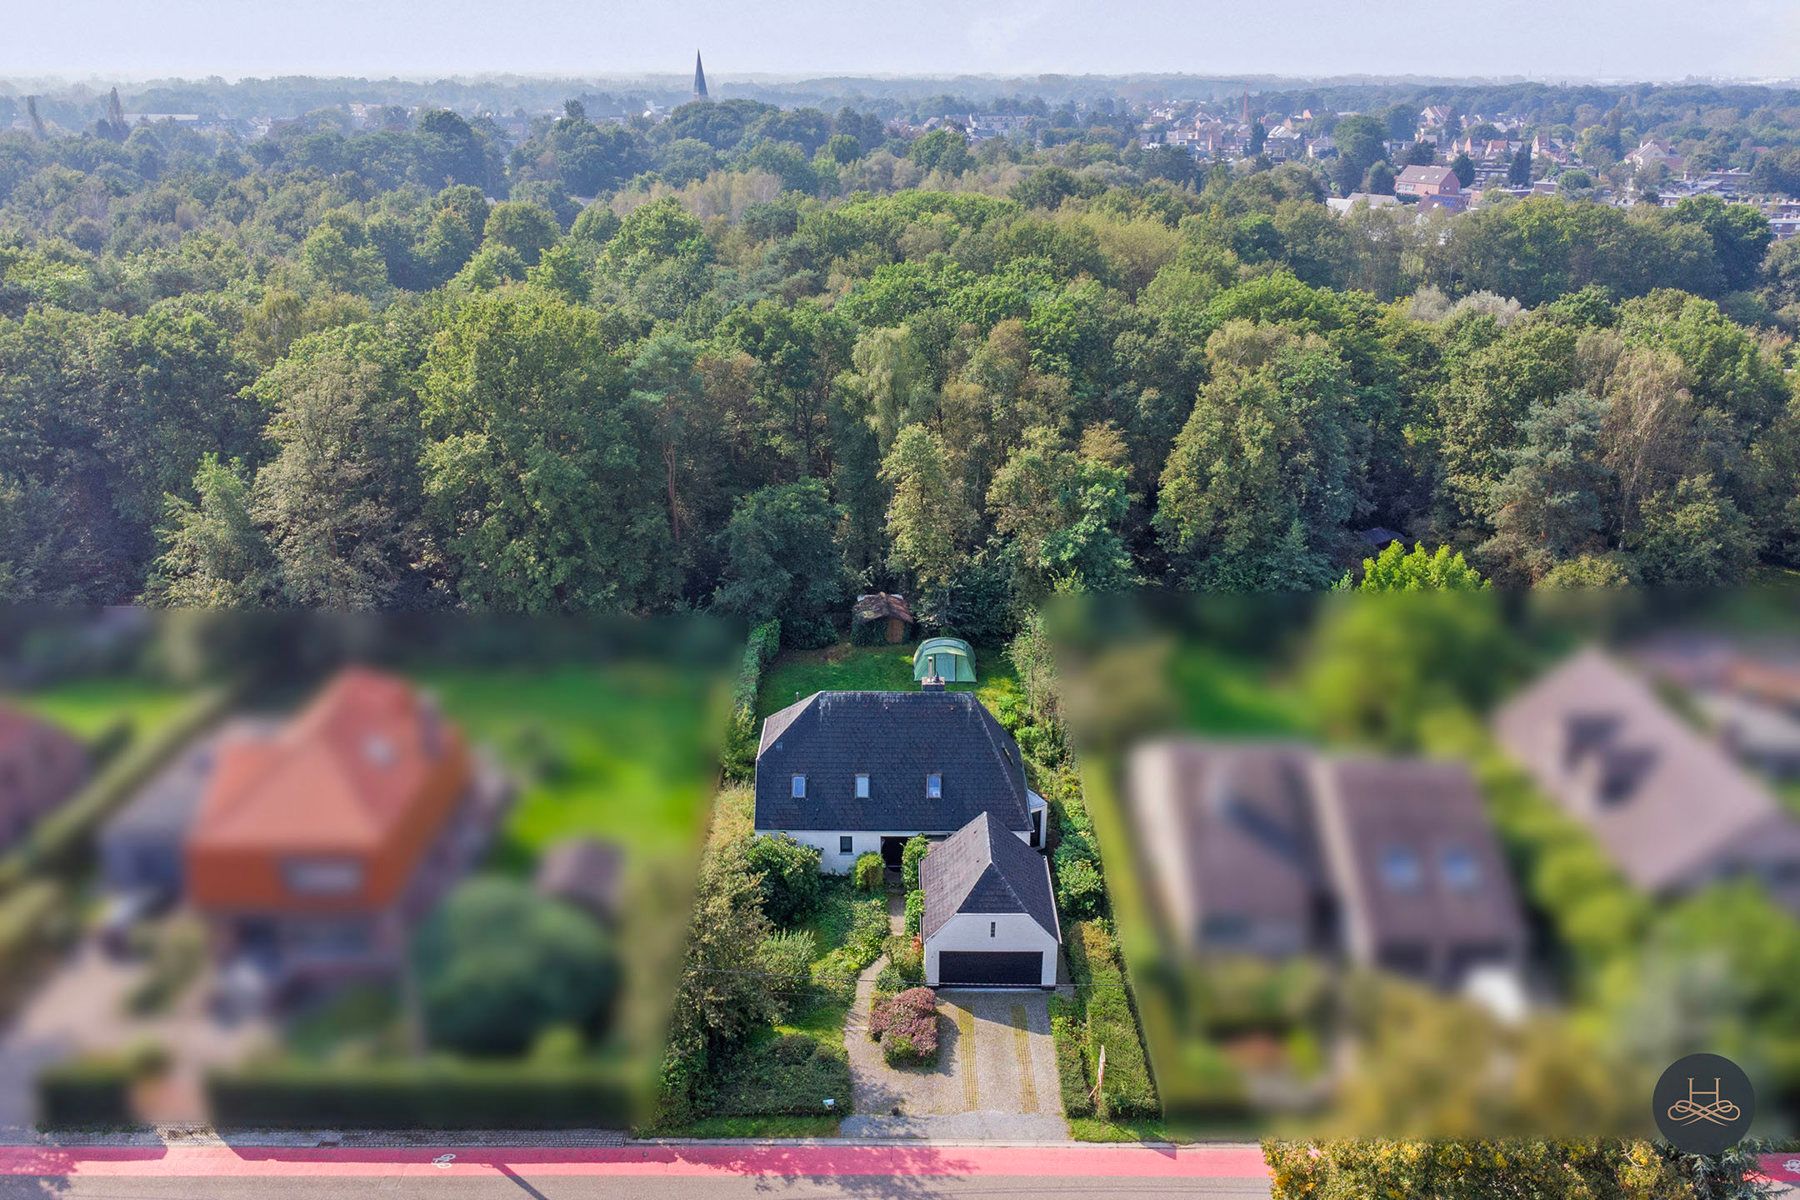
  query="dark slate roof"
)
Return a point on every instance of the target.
[
  {"x": 896, "y": 739},
  {"x": 983, "y": 868}
]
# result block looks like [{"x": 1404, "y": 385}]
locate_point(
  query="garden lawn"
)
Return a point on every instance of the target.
[
  {"x": 619, "y": 751},
  {"x": 88, "y": 708},
  {"x": 846, "y": 668}
]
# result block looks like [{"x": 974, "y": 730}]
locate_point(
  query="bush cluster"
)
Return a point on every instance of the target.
[
  {"x": 906, "y": 1025},
  {"x": 1351, "y": 1169},
  {"x": 914, "y": 853},
  {"x": 915, "y": 911},
  {"x": 1127, "y": 1090},
  {"x": 790, "y": 877},
  {"x": 434, "y": 1095},
  {"x": 869, "y": 873}
]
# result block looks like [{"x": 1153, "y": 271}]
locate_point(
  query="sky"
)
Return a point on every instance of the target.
[{"x": 1543, "y": 39}]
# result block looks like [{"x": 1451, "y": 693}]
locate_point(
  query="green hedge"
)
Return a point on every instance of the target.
[
  {"x": 435, "y": 1095},
  {"x": 62, "y": 842},
  {"x": 1126, "y": 1090},
  {"x": 740, "y": 738},
  {"x": 1354, "y": 1169},
  {"x": 85, "y": 1094},
  {"x": 36, "y": 921}
]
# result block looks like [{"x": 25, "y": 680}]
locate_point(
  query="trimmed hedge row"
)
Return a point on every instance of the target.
[
  {"x": 740, "y": 735},
  {"x": 63, "y": 841},
  {"x": 85, "y": 1094},
  {"x": 1126, "y": 1090},
  {"x": 1352, "y": 1169},
  {"x": 420, "y": 1096},
  {"x": 36, "y": 921}
]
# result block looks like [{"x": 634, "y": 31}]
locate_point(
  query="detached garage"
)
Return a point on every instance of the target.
[{"x": 990, "y": 916}]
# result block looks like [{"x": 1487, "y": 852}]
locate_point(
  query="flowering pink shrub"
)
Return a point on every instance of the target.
[{"x": 907, "y": 1026}]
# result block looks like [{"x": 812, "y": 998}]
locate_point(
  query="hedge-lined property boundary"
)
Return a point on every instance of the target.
[
  {"x": 85, "y": 1094},
  {"x": 432, "y": 1095},
  {"x": 1353, "y": 1169},
  {"x": 1100, "y": 1016},
  {"x": 63, "y": 841},
  {"x": 740, "y": 735}
]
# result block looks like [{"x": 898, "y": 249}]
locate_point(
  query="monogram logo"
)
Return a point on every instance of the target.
[{"x": 1703, "y": 1104}]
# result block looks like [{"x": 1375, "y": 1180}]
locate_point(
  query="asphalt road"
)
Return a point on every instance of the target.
[{"x": 522, "y": 1186}]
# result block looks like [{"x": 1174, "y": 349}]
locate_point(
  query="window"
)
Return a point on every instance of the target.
[
  {"x": 993, "y": 926},
  {"x": 322, "y": 876},
  {"x": 799, "y": 787},
  {"x": 862, "y": 787},
  {"x": 1400, "y": 869},
  {"x": 1462, "y": 873},
  {"x": 934, "y": 787},
  {"x": 846, "y": 844}
]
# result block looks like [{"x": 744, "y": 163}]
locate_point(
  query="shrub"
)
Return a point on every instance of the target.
[
  {"x": 915, "y": 911},
  {"x": 35, "y": 922},
  {"x": 785, "y": 960},
  {"x": 789, "y": 1075},
  {"x": 431, "y": 1095},
  {"x": 917, "y": 847},
  {"x": 870, "y": 873},
  {"x": 906, "y": 954},
  {"x": 176, "y": 956},
  {"x": 907, "y": 1026},
  {"x": 790, "y": 877},
  {"x": 85, "y": 1094},
  {"x": 887, "y": 983},
  {"x": 1346, "y": 1169},
  {"x": 1080, "y": 893},
  {"x": 498, "y": 963}
]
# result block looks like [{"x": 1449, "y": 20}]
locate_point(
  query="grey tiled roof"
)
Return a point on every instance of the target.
[
  {"x": 896, "y": 739},
  {"x": 982, "y": 868}
]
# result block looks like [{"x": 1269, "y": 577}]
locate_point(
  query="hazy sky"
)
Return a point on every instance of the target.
[{"x": 1554, "y": 39}]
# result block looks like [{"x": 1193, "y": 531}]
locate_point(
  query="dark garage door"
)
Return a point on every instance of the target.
[{"x": 990, "y": 968}]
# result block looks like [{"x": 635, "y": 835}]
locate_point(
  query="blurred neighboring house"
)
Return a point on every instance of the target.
[
  {"x": 40, "y": 767},
  {"x": 143, "y": 846},
  {"x": 1276, "y": 849},
  {"x": 1668, "y": 805},
  {"x": 315, "y": 851}
]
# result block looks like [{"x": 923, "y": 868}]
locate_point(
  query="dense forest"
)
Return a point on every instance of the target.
[{"x": 755, "y": 359}]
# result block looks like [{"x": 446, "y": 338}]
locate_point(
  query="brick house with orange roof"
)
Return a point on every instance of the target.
[{"x": 317, "y": 848}]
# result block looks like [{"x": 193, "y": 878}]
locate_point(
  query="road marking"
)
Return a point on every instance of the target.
[{"x": 965, "y": 1050}]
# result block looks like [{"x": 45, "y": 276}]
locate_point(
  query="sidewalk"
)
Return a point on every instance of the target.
[{"x": 774, "y": 1159}]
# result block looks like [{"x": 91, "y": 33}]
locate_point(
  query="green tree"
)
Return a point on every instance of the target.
[
  {"x": 524, "y": 228},
  {"x": 1260, "y": 481},
  {"x": 781, "y": 560},
  {"x": 540, "y": 473},
  {"x": 1557, "y": 500},
  {"x": 790, "y": 877},
  {"x": 1397, "y": 569},
  {"x": 927, "y": 511},
  {"x": 1694, "y": 535},
  {"x": 214, "y": 556},
  {"x": 498, "y": 965}
]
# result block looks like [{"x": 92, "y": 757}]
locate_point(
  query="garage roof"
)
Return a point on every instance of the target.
[{"x": 985, "y": 868}]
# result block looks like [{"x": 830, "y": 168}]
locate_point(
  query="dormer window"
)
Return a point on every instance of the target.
[
  {"x": 934, "y": 787},
  {"x": 799, "y": 787},
  {"x": 1400, "y": 869},
  {"x": 862, "y": 787}
]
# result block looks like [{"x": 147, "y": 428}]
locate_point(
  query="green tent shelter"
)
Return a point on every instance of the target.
[{"x": 949, "y": 659}]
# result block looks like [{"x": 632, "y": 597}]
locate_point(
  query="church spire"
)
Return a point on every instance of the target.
[{"x": 699, "y": 78}]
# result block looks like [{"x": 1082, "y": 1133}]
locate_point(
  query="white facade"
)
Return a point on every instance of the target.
[
  {"x": 991, "y": 932},
  {"x": 835, "y": 860}
]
